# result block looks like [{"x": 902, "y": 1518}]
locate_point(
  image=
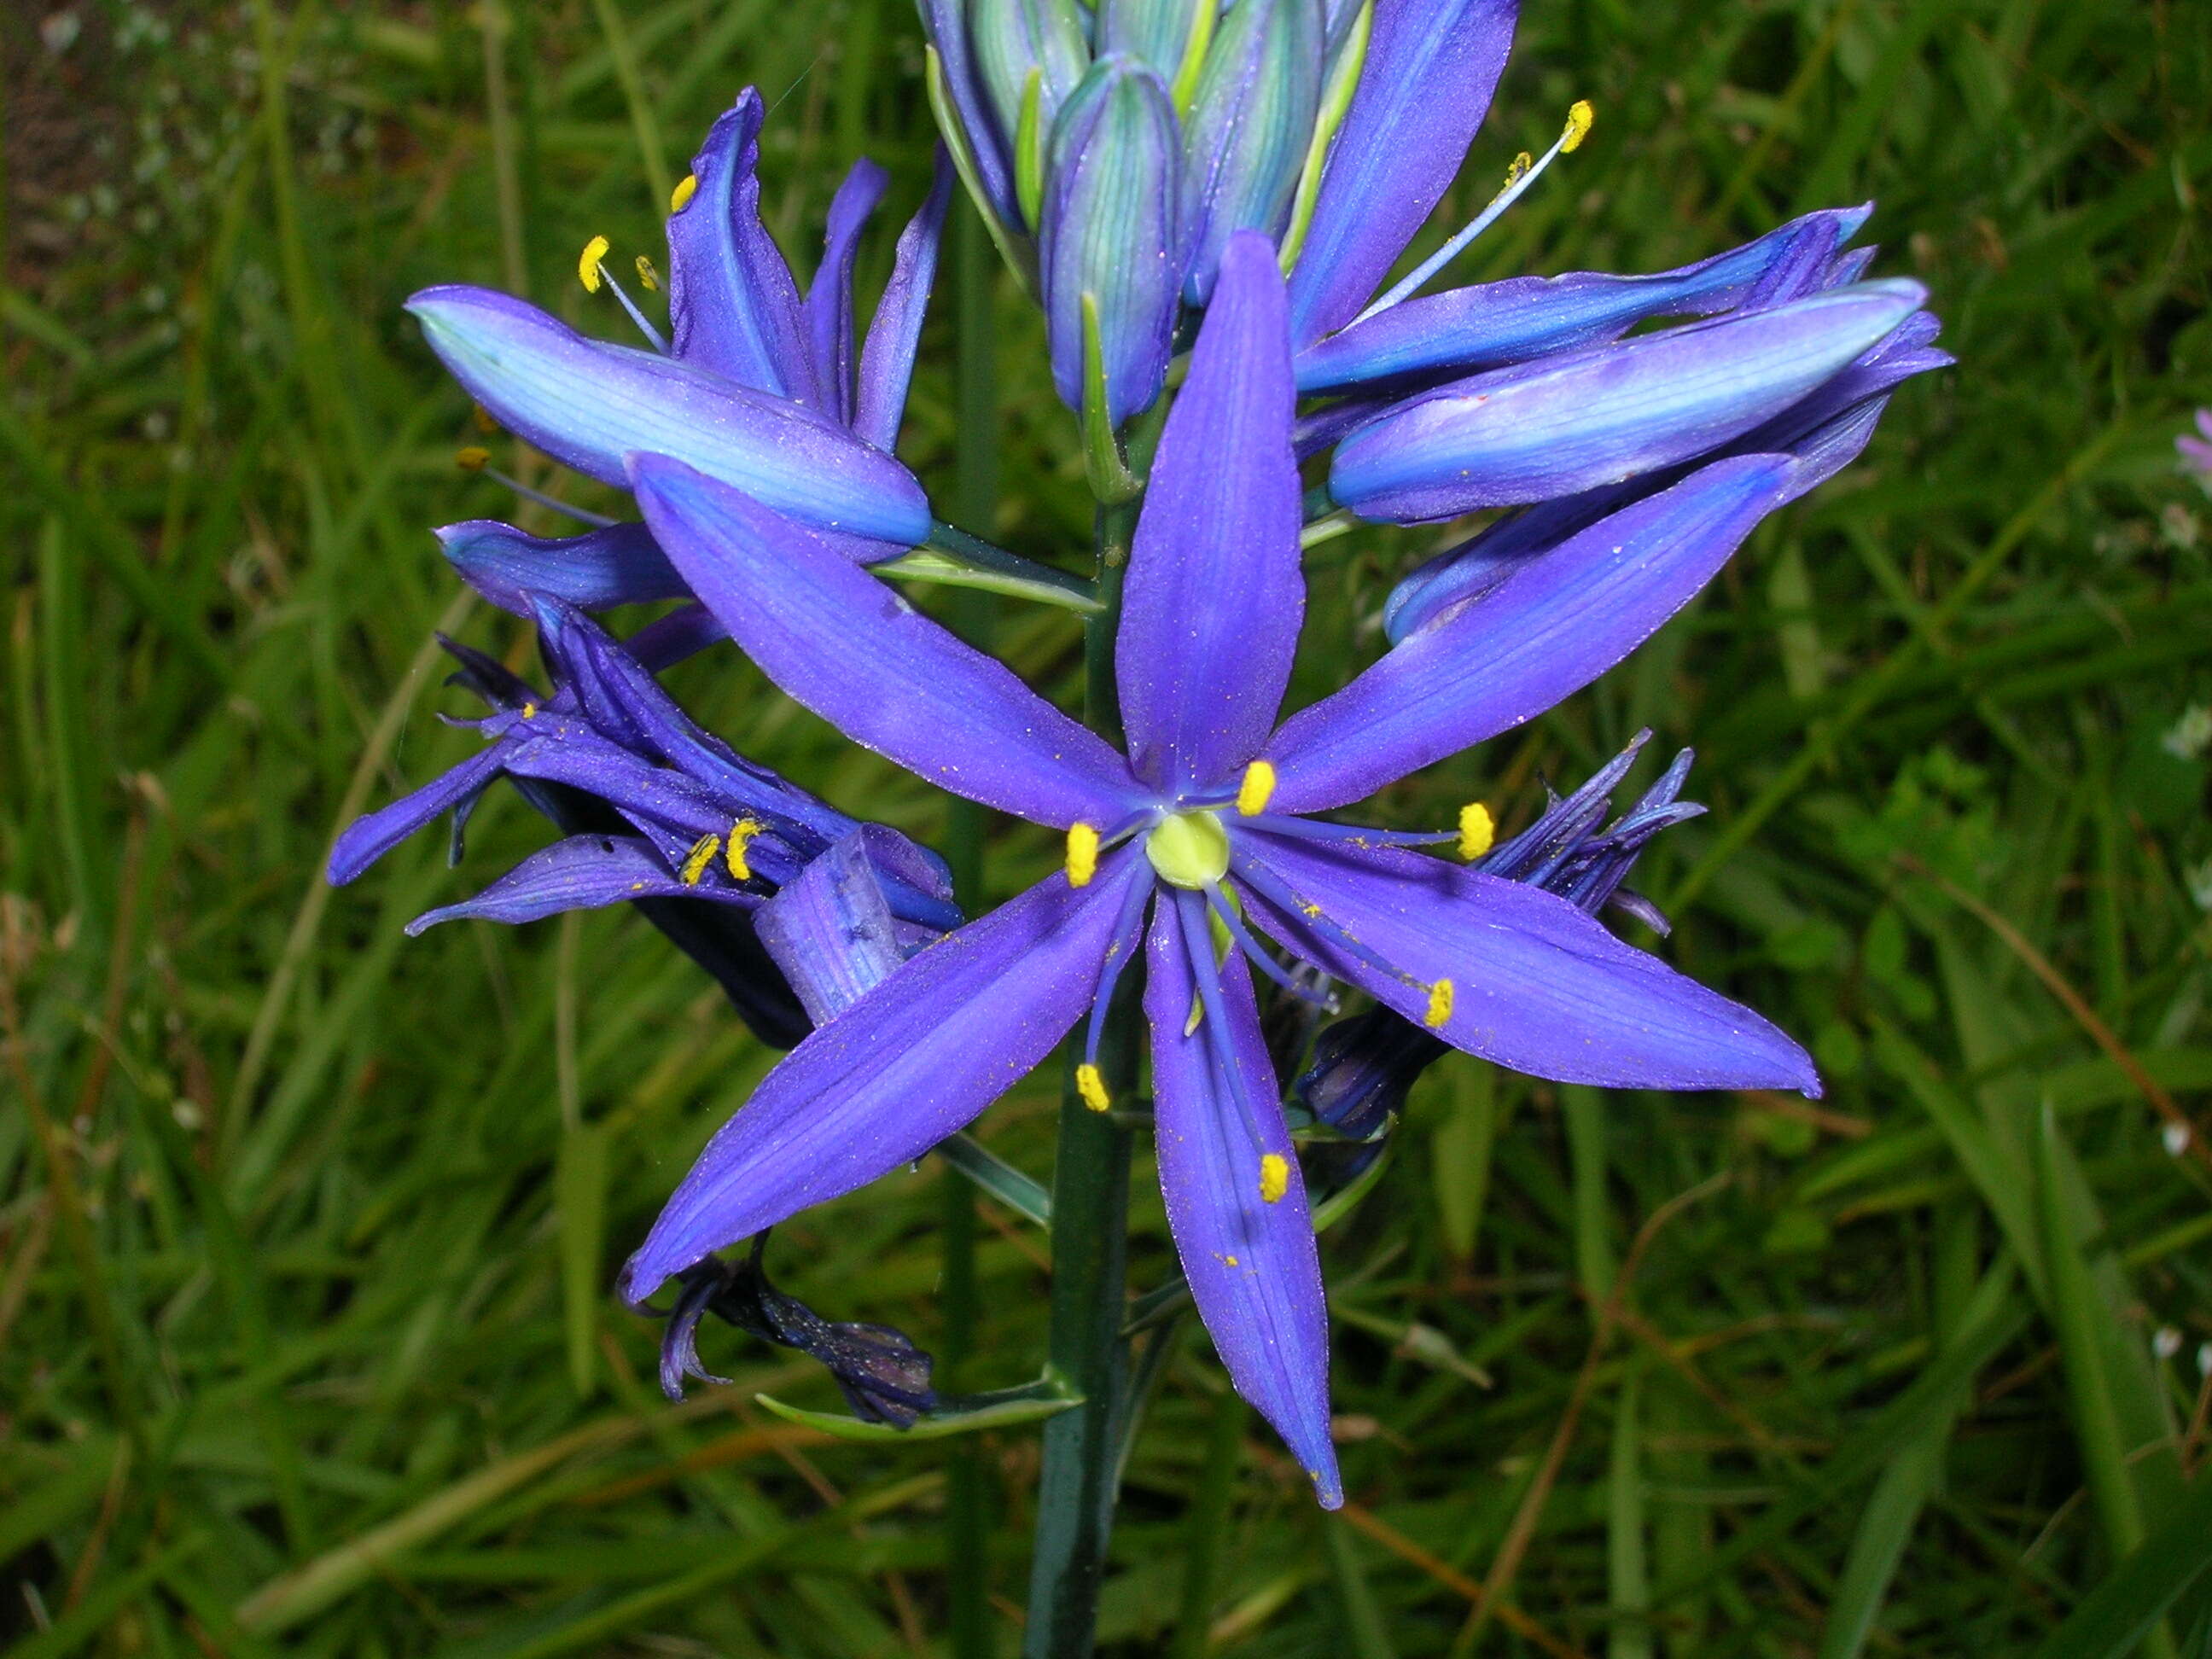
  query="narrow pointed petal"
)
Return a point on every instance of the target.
[
  {"x": 831, "y": 929},
  {"x": 1537, "y": 986},
  {"x": 828, "y": 305},
  {"x": 669, "y": 640},
  {"x": 584, "y": 873},
  {"x": 618, "y": 565},
  {"x": 895, "y": 335},
  {"x": 1431, "y": 66},
  {"x": 1110, "y": 231},
  {"x": 944, "y": 23},
  {"x": 1213, "y": 599},
  {"x": 731, "y": 297},
  {"x": 367, "y": 839},
  {"x": 1538, "y": 430},
  {"x": 1254, "y": 1268},
  {"x": 916, "y": 1059},
  {"x": 1547, "y": 630},
  {"x": 588, "y": 404},
  {"x": 854, "y": 652},
  {"x": 1244, "y": 141},
  {"x": 1495, "y": 324}
]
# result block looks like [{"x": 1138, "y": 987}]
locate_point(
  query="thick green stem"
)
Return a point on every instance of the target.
[{"x": 1089, "y": 1253}]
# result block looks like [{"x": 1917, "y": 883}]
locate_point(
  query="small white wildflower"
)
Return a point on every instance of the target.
[
  {"x": 2190, "y": 735},
  {"x": 2198, "y": 879},
  {"x": 2166, "y": 1341},
  {"x": 2176, "y": 1136}
]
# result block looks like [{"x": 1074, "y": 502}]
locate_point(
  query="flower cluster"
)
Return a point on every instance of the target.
[{"x": 1226, "y": 187}]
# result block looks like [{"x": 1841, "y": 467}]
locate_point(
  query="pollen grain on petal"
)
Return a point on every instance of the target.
[
  {"x": 1090, "y": 1084},
  {"x": 1477, "y": 831},
  {"x": 686, "y": 187},
  {"x": 587, "y": 263},
  {"x": 1441, "y": 995},
  {"x": 1258, "y": 787},
  {"x": 741, "y": 835},
  {"x": 648, "y": 275},
  {"x": 1082, "y": 854},
  {"x": 1274, "y": 1177},
  {"x": 1580, "y": 118},
  {"x": 700, "y": 855},
  {"x": 1517, "y": 169}
]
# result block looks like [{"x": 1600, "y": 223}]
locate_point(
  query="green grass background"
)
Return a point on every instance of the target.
[{"x": 307, "y": 1231}]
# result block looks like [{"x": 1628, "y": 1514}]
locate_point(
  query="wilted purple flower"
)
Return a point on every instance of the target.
[
  {"x": 1204, "y": 823},
  {"x": 760, "y": 386},
  {"x": 661, "y": 814}
]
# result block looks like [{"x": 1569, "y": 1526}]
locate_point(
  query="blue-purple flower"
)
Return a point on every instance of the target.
[
  {"x": 757, "y": 384},
  {"x": 2196, "y": 453},
  {"x": 1203, "y": 831}
]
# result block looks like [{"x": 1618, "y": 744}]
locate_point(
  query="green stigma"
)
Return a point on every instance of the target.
[{"x": 1190, "y": 849}]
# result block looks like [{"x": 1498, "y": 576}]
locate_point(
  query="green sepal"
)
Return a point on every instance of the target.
[
  {"x": 1013, "y": 249},
  {"x": 1001, "y": 1408},
  {"x": 1336, "y": 101},
  {"x": 1025, "y": 1197},
  {"x": 952, "y": 558},
  {"x": 1111, "y": 481},
  {"x": 1029, "y": 151}
]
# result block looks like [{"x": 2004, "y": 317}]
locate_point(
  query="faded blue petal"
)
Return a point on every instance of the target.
[
  {"x": 895, "y": 335},
  {"x": 828, "y": 305},
  {"x": 854, "y": 651},
  {"x": 1245, "y": 138},
  {"x": 1538, "y": 430},
  {"x": 583, "y": 872},
  {"x": 1430, "y": 67},
  {"x": 1214, "y": 598},
  {"x": 1537, "y": 986},
  {"x": 1109, "y": 230},
  {"x": 588, "y": 404},
  {"x": 1254, "y": 1268},
  {"x": 618, "y": 565},
  {"x": 730, "y": 298},
  {"x": 1508, "y": 322},
  {"x": 913, "y": 1061}
]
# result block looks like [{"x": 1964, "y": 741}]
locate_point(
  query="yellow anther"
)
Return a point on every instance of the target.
[
  {"x": 587, "y": 263},
  {"x": 700, "y": 855},
  {"x": 1580, "y": 116},
  {"x": 1093, "y": 1087},
  {"x": 481, "y": 418},
  {"x": 647, "y": 274},
  {"x": 474, "y": 458},
  {"x": 741, "y": 833},
  {"x": 1257, "y": 789},
  {"x": 685, "y": 188},
  {"x": 1082, "y": 854},
  {"x": 1274, "y": 1177},
  {"x": 529, "y": 711},
  {"x": 1477, "y": 831},
  {"x": 1519, "y": 169},
  {"x": 1440, "y": 1005}
]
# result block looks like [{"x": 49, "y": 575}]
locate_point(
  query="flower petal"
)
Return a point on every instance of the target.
[
  {"x": 1547, "y": 630},
  {"x": 945, "y": 22},
  {"x": 588, "y": 404},
  {"x": 1536, "y": 985},
  {"x": 829, "y": 306},
  {"x": 1550, "y": 428},
  {"x": 895, "y": 335},
  {"x": 1430, "y": 67},
  {"x": 730, "y": 293},
  {"x": 913, "y": 1061},
  {"x": 1493, "y": 324},
  {"x": 583, "y": 872},
  {"x": 368, "y": 838},
  {"x": 854, "y": 652},
  {"x": 830, "y": 928},
  {"x": 1254, "y": 1268},
  {"x": 619, "y": 565},
  {"x": 1213, "y": 600}
]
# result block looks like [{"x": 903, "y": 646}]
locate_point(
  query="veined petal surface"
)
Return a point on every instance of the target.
[
  {"x": 1254, "y": 1267},
  {"x": 854, "y": 651},
  {"x": 1550, "y": 628},
  {"x": 588, "y": 404},
  {"x": 916, "y": 1059},
  {"x": 828, "y": 303},
  {"x": 895, "y": 335},
  {"x": 1536, "y": 985},
  {"x": 1244, "y": 140},
  {"x": 1213, "y": 599},
  {"x": 620, "y": 564},
  {"x": 583, "y": 872}
]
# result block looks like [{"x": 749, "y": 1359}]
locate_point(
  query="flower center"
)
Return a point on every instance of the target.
[{"x": 1189, "y": 849}]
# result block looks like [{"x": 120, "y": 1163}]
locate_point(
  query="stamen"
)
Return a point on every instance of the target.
[
  {"x": 1257, "y": 789},
  {"x": 1091, "y": 1083},
  {"x": 587, "y": 263},
  {"x": 1477, "y": 831},
  {"x": 1518, "y": 169},
  {"x": 700, "y": 855},
  {"x": 472, "y": 459},
  {"x": 1440, "y": 1005},
  {"x": 1580, "y": 116},
  {"x": 741, "y": 833},
  {"x": 529, "y": 711},
  {"x": 1128, "y": 934},
  {"x": 1082, "y": 854},
  {"x": 1240, "y": 937},
  {"x": 1358, "y": 835},
  {"x": 1271, "y": 887},
  {"x": 1274, "y": 1177},
  {"x": 475, "y": 459},
  {"x": 647, "y": 274},
  {"x": 686, "y": 187}
]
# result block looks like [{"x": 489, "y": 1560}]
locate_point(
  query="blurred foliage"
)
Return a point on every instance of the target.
[{"x": 307, "y": 1231}]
